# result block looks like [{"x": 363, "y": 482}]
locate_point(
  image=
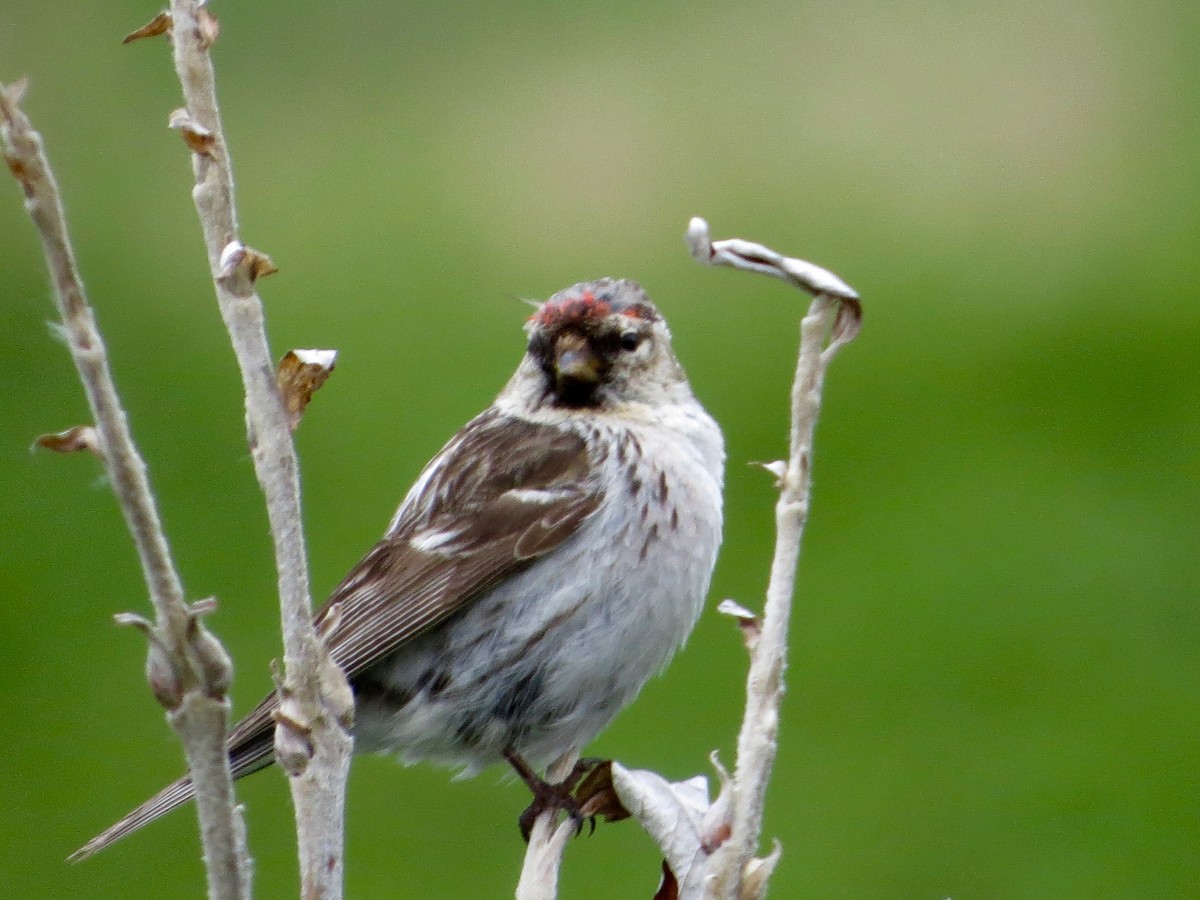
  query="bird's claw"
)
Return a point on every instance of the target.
[{"x": 548, "y": 797}]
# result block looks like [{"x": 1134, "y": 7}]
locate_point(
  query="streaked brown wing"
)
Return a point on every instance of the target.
[
  {"x": 501, "y": 494},
  {"x": 504, "y": 492}
]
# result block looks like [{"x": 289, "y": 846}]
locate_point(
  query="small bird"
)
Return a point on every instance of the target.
[{"x": 548, "y": 561}]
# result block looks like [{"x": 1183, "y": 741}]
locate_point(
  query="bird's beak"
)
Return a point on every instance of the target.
[{"x": 574, "y": 360}]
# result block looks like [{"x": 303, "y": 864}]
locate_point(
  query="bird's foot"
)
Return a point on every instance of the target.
[{"x": 549, "y": 796}]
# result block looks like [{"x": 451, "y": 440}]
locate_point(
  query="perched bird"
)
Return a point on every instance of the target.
[{"x": 550, "y": 559}]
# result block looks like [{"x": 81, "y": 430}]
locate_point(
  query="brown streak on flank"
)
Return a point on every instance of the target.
[{"x": 651, "y": 537}]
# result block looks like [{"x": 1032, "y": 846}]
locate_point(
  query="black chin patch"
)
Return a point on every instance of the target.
[{"x": 575, "y": 394}]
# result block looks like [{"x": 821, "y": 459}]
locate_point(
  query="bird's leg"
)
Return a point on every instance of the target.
[{"x": 547, "y": 796}]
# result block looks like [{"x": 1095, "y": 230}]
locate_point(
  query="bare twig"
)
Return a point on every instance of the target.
[
  {"x": 313, "y": 741},
  {"x": 547, "y": 842},
  {"x": 833, "y": 319},
  {"x": 187, "y": 668},
  {"x": 543, "y": 858}
]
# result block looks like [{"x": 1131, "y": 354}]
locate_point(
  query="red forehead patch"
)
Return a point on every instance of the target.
[{"x": 578, "y": 308}]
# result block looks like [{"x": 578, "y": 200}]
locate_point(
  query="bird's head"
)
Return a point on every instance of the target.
[{"x": 599, "y": 344}]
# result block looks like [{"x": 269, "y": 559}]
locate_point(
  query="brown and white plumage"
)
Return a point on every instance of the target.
[{"x": 549, "y": 560}]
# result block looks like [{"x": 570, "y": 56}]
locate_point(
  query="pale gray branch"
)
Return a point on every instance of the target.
[
  {"x": 187, "y": 669},
  {"x": 320, "y": 706},
  {"x": 547, "y": 842},
  {"x": 543, "y": 858},
  {"x": 833, "y": 319}
]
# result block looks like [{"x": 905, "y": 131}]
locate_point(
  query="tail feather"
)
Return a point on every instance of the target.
[
  {"x": 252, "y": 749},
  {"x": 170, "y": 797}
]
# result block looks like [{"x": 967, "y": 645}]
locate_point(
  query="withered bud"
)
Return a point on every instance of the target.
[
  {"x": 161, "y": 672},
  {"x": 293, "y": 743},
  {"x": 214, "y": 663},
  {"x": 160, "y": 24},
  {"x": 198, "y": 138},
  {"x": 73, "y": 440},
  {"x": 209, "y": 27},
  {"x": 339, "y": 699},
  {"x": 237, "y": 256},
  {"x": 748, "y": 622}
]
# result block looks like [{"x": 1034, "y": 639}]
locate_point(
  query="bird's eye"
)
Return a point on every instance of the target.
[{"x": 630, "y": 340}]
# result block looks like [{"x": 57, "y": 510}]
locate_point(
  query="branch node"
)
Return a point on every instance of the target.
[
  {"x": 208, "y": 28},
  {"x": 293, "y": 736}
]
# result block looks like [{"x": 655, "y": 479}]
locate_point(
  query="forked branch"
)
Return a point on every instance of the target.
[
  {"x": 188, "y": 669},
  {"x": 313, "y": 740}
]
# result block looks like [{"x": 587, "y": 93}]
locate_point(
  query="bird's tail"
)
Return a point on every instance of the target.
[
  {"x": 173, "y": 795},
  {"x": 252, "y": 748}
]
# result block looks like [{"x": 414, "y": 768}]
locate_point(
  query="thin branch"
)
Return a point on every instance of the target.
[
  {"x": 547, "y": 843},
  {"x": 833, "y": 319},
  {"x": 313, "y": 742},
  {"x": 543, "y": 858},
  {"x": 188, "y": 669}
]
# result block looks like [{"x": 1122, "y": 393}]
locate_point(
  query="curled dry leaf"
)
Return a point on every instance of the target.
[
  {"x": 73, "y": 440},
  {"x": 301, "y": 374},
  {"x": 673, "y": 814},
  {"x": 753, "y": 257},
  {"x": 198, "y": 138},
  {"x": 237, "y": 255},
  {"x": 160, "y": 24}
]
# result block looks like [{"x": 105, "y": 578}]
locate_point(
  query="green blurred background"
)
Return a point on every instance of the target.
[{"x": 994, "y": 681}]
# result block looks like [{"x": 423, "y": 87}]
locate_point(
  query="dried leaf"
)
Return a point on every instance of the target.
[
  {"x": 73, "y": 440},
  {"x": 301, "y": 374},
  {"x": 198, "y": 138},
  {"x": 673, "y": 815},
  {"x": 210, "y": 28},
  {"x": 160, "y": 24},
  {"x": 237, "y": 255},
  {"x": 747, "y": 621}
]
